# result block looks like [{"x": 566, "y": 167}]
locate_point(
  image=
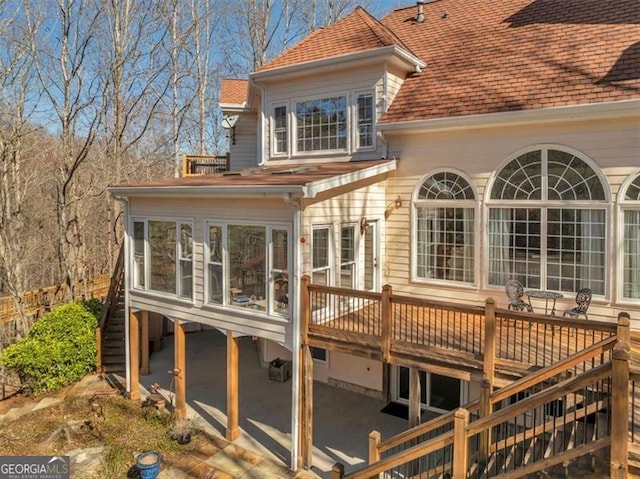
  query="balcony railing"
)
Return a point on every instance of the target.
[{"x": 204, "y": 164}]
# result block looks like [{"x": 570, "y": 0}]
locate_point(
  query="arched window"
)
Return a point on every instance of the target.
[
  {"x": 631, "y": 240},
  {"x": 444, "y": 223},
  {"x": 548, "y": 222}
]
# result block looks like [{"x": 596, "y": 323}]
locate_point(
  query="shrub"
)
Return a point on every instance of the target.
[
  {"x": 94, "y": 306},
  {"x": 59, "y": 349}
]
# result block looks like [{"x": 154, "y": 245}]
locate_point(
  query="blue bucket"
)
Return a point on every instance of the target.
[{"x": 148, "y": 463}]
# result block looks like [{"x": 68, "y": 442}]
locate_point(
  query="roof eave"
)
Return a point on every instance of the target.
[
  {"x": 403, "y": 57},
  {"x": 591, "y": 111},
  {"x": 316, "y": 187},
  {"x": 218, "y": 191}
]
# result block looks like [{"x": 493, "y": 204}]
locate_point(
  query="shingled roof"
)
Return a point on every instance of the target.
[
  {"x": 489, "y": 56},
  {"x": 234, "y": 91},
  {"x": 358, "y": 31}
]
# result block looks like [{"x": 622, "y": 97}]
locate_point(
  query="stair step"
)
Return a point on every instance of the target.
[
  {"x": 114, "y": 368},
  {"x": 114, "y": 359}
]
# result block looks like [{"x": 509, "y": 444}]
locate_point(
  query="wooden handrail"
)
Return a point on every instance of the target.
[
  {"x": 403, "y": 457},
  {"x": 345, "y": 292},
  {"x": 550, "y": 371},
  {"x": 540, "y": 398},
  {"x": 424, "y": 428},
  {"x": 116, "y": 280},
  {"x": 556, "y": 321},
  {"x": 219, "y": 163}
]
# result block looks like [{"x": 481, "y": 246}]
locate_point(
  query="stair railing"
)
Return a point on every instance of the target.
[
  {"x": 587, "y": 375},
  {"x": 115, "y": 287}
]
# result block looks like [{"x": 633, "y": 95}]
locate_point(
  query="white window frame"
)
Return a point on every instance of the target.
[
  {"x": 544, "y": 205},
  {"x": 329, "y": 268},
  {"x": 136, "y": 279},
  {"x": 438, "y": 204},
  {"x": 625, "y": 205},
  {"x": 287, "y": 130},
  {"x": 294, "y": 125},
  {"x": 356, "y": 119},
  {"x": 318, "y": 361},
  {"x": 208, "y": 262},
  {"x": 270, "y": 293},
  {"x": 147, "y": 256},
  {"x": 354, "y": 263}
]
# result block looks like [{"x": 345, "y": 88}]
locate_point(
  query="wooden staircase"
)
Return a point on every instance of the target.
[
  {"x": 551, "y": 422},
  {"x": 110, "y": 334}
]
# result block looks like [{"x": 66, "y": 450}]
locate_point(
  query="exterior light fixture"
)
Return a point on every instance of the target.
[
  {"x": 398, "y": 202},
  {"x": 364, "y": 226}
]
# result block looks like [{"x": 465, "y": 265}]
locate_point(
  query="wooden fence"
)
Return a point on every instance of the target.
[{"x": 39, "y": 301}]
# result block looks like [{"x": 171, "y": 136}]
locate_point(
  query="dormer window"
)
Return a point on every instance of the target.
[
  {"x": 321, "y": 124},
  {"x": 280, "y": 137}
]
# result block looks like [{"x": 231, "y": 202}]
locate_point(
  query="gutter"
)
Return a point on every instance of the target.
[
  {"x": 193, "y": 191},
  {"x": 592, "y": 111}
]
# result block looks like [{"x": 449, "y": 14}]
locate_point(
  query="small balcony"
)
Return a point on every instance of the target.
[{"x": 204, "y": 164}]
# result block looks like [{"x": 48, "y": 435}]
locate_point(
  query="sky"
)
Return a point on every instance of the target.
[{"x": 379, "y": 8}]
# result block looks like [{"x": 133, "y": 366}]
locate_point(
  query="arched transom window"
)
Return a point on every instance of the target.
[
  {"x": 547, "y": 223},
  {"x": 445, "y": 215},
  {"x": 631, "y": 241}
]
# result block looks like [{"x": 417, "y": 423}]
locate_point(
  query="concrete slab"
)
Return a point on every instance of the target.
[{"x": 342, "y": 419}]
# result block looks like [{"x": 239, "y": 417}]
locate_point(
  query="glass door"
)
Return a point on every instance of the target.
[{"x": 437, "y": 393}]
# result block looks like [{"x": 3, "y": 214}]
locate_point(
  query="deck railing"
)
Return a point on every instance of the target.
[
  {"x": 483, "y": 338},
  {"x": 115, "y": 287},
  {"x": 205, "y": 164}
]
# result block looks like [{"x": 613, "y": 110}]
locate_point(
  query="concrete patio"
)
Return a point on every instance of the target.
[{"x": 342, "y": 419}]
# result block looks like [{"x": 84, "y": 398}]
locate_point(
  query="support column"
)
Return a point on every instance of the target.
[
  {"x": 414, "y": 397},
  {"x": 180, "y": 369},
  {"x": 620, "y": 411},
  {"x": 144, "y": 338},
  {"x": 306, "y": 413},
  {"x": 232, "y": 387},
  {"x": 134, "y": 355}
]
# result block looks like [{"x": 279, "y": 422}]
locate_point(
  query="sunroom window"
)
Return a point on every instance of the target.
[
  {"x": 248, "y": 266},
  {"x": 163, "y": 257},
  {"x": 631, "y": 241},
  {"x": 445, "y": 224},
  {"x": 547, "y": 223},
  {"x": 321, "y": 124}
]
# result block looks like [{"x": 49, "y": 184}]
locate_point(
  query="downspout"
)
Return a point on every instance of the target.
[
  {"x": 127, "y": 272},
  {"x": 261, "y": 124},
  {"x": 296, "y": 342}
]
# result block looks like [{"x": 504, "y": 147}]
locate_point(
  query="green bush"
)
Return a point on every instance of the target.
[
  {"x": 59, "y": 349},
  {"x": 94, "y": 306}
]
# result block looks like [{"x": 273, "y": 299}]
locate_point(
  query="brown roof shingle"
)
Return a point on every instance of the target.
[
  {"x": 356, "y": 32},
  {"x": 487, "y": 56},
  {"x": 234, "y": 91}
]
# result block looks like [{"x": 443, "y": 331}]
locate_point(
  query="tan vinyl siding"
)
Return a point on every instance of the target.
[
  {"x": 395, "y": 78},
  {"x": 614, "y": 145},
  {"x": 244, "y": 154}
]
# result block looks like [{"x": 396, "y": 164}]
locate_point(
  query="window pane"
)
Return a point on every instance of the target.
[
  {"x": 321, "y": 248},
  {"x": 138, "y": 254},
  {"x": 279, "y": 273},
  {"x": 521, "y": 179},
  {"x": 280, "y": 248},
  {"x": 365, "y": 120},
  {"x": 631, "y": 266},
  {"x": 162, "y": 247},
  {"x": 280, "y": 129},
  {"x": 215, "y": 244},
  {"x": 319, "y": 354},
  {"x": 322, "y": 124},
  {"x": 445, "y": 243},
  {"x": 347, "y": 245},
  {"x": 570, "y": 178},
  {"x": 186, "y": 261},
  {"x": 575, "y": 250},
  {"x": 514, "y": 246},
  {"x": 215, "y": 283},
  {"x": 247, "y": 276}
]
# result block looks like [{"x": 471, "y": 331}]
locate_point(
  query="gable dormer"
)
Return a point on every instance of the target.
[{"x": 322, "y": 98}]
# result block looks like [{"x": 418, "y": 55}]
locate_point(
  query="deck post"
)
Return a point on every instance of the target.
[
  {"x": 306, "y": 414},
  {"x": 623, "y": 331},
  {"x": 460, "y": 453},
  {"x": 184, "y": 165},
  {"x": 337, "y": 471},
  {"x": 414, "y": 397},
  {"x": 232, "y": 387},
  {"x": 620, "y": 411},
  {"x": 134, "y": 355},
  {"x": 180, "y": 369},
  {"x": 305, "y": 308},
  {"x": 374, "y": 442},
  {"x": 485, "y": 410},
  {"x": 386, "y": 322},
  {"x": 144, "y": 338},
  {"x": 489, "y": 363}
]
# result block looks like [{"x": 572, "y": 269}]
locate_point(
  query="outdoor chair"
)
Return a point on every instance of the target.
[
  {"x": 515, "y": 292},
  {"x": 583, "y": 300}
]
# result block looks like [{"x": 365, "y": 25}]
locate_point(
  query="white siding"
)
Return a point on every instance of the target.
[{"x": 614, "y": 145}]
